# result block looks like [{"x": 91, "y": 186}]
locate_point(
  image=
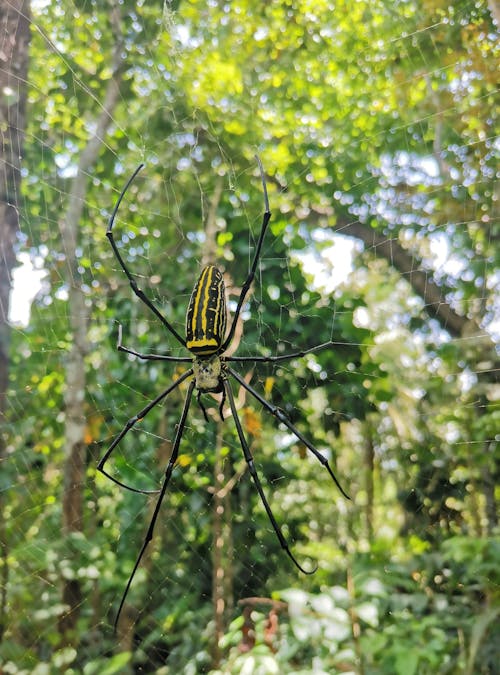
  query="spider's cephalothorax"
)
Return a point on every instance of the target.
[
  {"x": 208, "y": 374},
  {"x": 207, "y": 342}
]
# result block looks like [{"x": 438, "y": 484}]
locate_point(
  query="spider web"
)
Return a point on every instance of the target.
[{"x": 313, "y": 282}]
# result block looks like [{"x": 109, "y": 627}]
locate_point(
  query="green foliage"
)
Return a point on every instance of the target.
[
  {"x": 402, "y": 621},
  {"x": 373, "y": 113}
]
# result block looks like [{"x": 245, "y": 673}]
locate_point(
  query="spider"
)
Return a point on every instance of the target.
[{"x": 207, "y": 341}]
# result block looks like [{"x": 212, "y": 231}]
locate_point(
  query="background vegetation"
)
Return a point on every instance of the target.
[{"x": 377, "y": 126}]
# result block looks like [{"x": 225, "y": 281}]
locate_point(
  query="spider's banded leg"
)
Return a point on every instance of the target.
[
  {"x": 132, "y": 422},
  {"x": 138, "y": 292},
  {"x": 283, "y": 357},
  {"x": 149, "y": 357},
  {"x": 166, "y": 481},
  {"x": 256, "y": 480},
  {"x": 280, "y": 415},
  {"x": 248, "y": 282}
]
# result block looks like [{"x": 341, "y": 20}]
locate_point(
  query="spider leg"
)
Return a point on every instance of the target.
[
  {"x": 256, "y": 480},
  {"x": 280, "y": 415},
  {"x": 202, "y": 407},
  {"x": 138, "y": 292},
  {"x": 284, "y": 357},
  {"x": 248, "y": 281},
  {"x": 148, "y": 357},
  {"x": 221, "y": 406},
  {"x": 132, "y": 422},
  {"x": 166, "y": 481}
]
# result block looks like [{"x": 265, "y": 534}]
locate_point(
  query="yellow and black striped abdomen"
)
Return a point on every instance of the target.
[{"x": 206, "y": 314}]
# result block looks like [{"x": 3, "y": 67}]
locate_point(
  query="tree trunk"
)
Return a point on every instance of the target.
[
  {"x": 76, "y": 449},
  {"x": 369, "y": 468},
  {"x": 219, "y": 559},
  {"x": 15, "y": 41},
  {"x": 220, "y": 555}
]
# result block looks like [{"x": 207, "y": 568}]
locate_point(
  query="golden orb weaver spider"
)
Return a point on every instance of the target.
[{"x": 207, "y": 342}]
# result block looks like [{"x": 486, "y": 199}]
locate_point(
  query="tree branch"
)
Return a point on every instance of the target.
[{"x": 481, "y": 348}]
